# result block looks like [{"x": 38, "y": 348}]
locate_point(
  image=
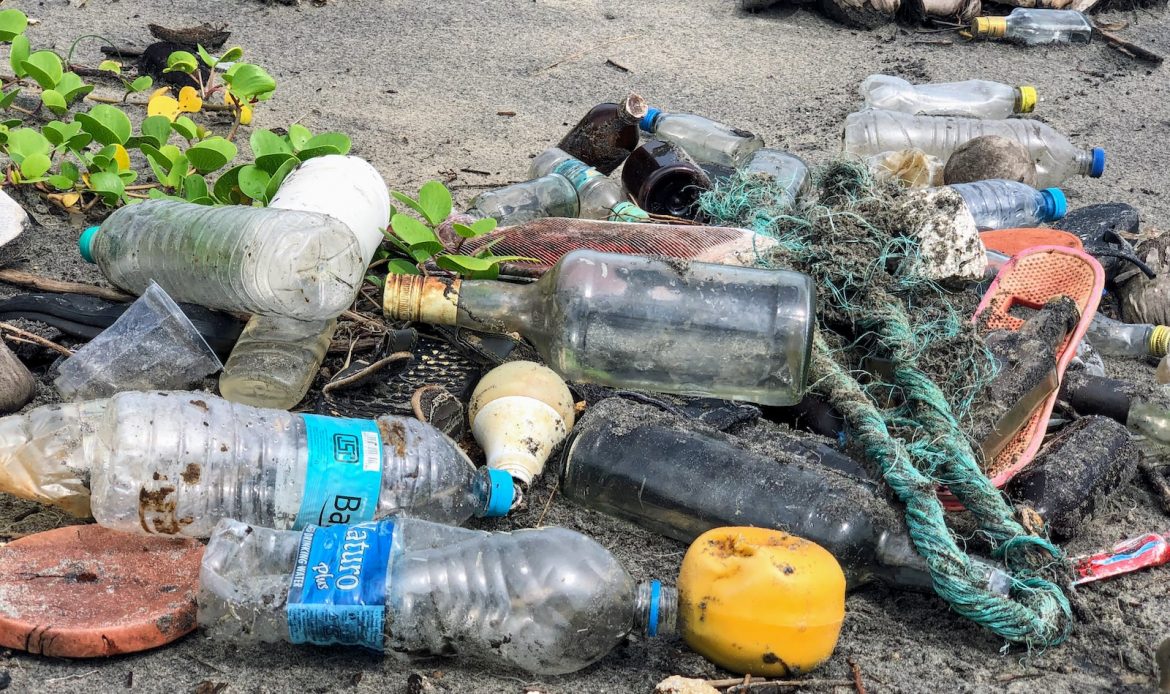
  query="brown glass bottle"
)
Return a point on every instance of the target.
[
  {"x": 663, "y": 179},
  {"x": 607, "y": 134}
]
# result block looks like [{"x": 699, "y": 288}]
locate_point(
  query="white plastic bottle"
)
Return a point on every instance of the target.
[
  {"x": 874, "y": 131},
  {"x": 1000, "y": 204},
  {"x": 276, "y": 358},
  {"x": 1034, "y": 27},
  {"x": 177, "y": 462},
  {"x": 547, "y": 600},
  {"x": 705, "y": 140},
  {"x": 599, "y": 196},
  {"x": 548, "y": 196},
  {"x": 289, "y": 263},
  {"x": 972, "y": 98},
  {"x": 1113, "y": 338}
]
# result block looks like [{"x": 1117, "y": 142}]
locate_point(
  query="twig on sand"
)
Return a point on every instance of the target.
[
  {"x": 540, "y": 521},
  {"x": 1131, "y": 49},
  {"x": 857, "y": 683},
  {"x": 28, "y": 280},
  {"x": 1157, "y": 481},
  {"x": 25, "y": 336},
  {"x": 738, "y": 685},
  {"x": 582, "y": 53},
  {"x": 66, "y": 678}
]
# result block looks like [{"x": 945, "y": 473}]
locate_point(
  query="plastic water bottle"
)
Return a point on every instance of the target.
[
  {"x": 872, "y": 131},
  {"x": 266, "y": 261},
  {"x": 175, "y": 463},
  {"x": 1113, "y": 338},
  {"x": 599, "y": 196},
  {"x": 547, "y": 600},
  {"x": 707, "y": 141},
  {"x": 1034, "y": 27},
  {"x": 1000, "y": 204},
  {"x": 548, "y": 196},
  {"x": 971, "y": 98}
]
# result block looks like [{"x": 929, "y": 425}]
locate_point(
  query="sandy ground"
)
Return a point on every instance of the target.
[{"x": 419, "y": 84}]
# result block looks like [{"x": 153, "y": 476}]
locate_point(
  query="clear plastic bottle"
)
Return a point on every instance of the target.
[
  {"x": 175, "y": 463},
  {"x": 548, "y": 196},
  {"x": 873, "y": 131},
  {"x": 707, "y": 141},
  {"x": 599, "y": 196},
  {"x": 1034, "y": 27},
  {"x": 273, "y": 262},
  {"x": 1113, "y": 338},
  {"x": 546, "y": 600},
  {"x": 971, "y": 98},
  {"x": 636, "y": 322},
  {"x": 1000, "y": 204},
  {"x": 786, "y": 170}
]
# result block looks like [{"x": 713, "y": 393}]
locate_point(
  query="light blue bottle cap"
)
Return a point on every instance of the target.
[
  {"x": 655, "y": 604},
  {"x": 647, "y": 122},
  {"x": 501, "y": 492},
  {"x": 1055, "y": 204},
  {"x": 85, "y": 244},
  {"x": 1098, "y": 163}
]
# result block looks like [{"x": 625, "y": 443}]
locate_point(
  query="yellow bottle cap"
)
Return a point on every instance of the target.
[
  {"x": 1025, "y": 99},
  {"x": 760, "y": 602},
  {"x": 1159, "y": 340},
  {"x": 989, "y": 27}
]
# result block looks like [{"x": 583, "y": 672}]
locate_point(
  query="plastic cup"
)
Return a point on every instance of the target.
[{"x": 152, "y": 346}]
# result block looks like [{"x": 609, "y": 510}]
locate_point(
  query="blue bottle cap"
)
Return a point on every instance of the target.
[
  {"x": 85, "y": 244},
  {"x": 647, "y": 122},
  {"x": 501, "y": 492},
  {"x": 655, "y": 602},
  {"x": 1055, "y": 204},
  {"x": 1098, "y": 163}
]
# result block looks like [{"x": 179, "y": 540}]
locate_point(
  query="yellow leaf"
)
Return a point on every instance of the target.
[
  {"x": 122, "y": 157},
  {"x": 66, "y": 200},
  {"x": 189, "y": 101},
  {"x": 163, "y": 105},
  {"x": 245, "y": 111},
  {"x": 160, "y": 92}
]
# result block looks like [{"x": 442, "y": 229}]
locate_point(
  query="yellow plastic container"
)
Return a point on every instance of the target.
[{"x": 760, "y": 601}]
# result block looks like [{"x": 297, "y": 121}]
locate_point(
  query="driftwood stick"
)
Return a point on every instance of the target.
[
  {"x": 28, "y": 280},
  {"x": 1131, "y": 49},
  {"x": 31, "y": 337}
]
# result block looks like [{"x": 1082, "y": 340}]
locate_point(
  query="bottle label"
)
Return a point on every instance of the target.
[
  {"x": 578, "y": 172},
  {"x": 343, "y": 478},
  {"x": 338, "y": 591}
]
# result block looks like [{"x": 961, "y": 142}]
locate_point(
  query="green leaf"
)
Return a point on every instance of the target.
[
  {"x": 18, "y": 54},
  {"x": 412, "y": 231},
  {"x": 35, "y": 165},
  {"x": 107, "y": 124},
  {"x": 312, "y": 152},
  {"x": 61, "y": 182},
  {"x": 271, "y": 162},
  {"x": 249, "y": 82},
  {"x": 226, "y": 188},
  {"x": 59, "y": 133},
  {"x": 253, "y": 182},
  {"x": 468, "y": 263},
  {"x": 183, "y": 125},
  {"x": 278, "y": 177},
  {"x": 435, "y": 200},
  {"x": 207, "y": 58},
  {"x": 338, "y": 141},
  {"x": 160, "y": 159},
  {"x": 110, "y": 66},
  {"x": 376, "y": 281},
  {"x": 298, "y": 136},
  {"x": 26, "y": 142},
  {"x": 12, "y": 23},
  {"x": 54, "y": 101},
  {"x": 72, "y": 88},
  {"x": 156, "y": 194},
  {"x": 267, "y": 142},
  {"x": 157, "y": 128},
  {"x": 178, "y": 172},
  {"x": 233, "y": 54},
  {"x": 463, "y": 230},
  {"x": 211, "y": 154},
  {"x": 399, "y": 266},
  {"x": 69, "y": 170},
  {"x": 8, "y": 98},
  {"x": 409, "y": 202},
  {"x": 141, "y": 84},
  {"x": 181, "y": 61},
  {"x": 109, "y": 185},
  {"x": 194, "y": 187},
  {"x": 205, "y": 200},
  {"x": 79, "y": 141},
  {"x": 44, "y": 67}
]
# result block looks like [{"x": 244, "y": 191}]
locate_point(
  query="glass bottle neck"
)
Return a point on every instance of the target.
[{"x": 495, "y": 307}]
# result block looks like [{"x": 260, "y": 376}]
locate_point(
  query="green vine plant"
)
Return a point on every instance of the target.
[
  {"x": 79, "y": 157},
  {"x": 416, "y": 242}
]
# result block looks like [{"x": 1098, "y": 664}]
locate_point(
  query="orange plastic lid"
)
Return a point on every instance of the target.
[
  {"x": 85, "y": 591},
  {"x": 1012, "y": 241}
]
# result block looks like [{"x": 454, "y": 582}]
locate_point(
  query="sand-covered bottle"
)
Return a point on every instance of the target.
[
  {"x": 599, "y": 196},
  {"x": 548, "y": 196},
  {"x": 606, "y": 135},
  {"x": 970, "y": 98}
]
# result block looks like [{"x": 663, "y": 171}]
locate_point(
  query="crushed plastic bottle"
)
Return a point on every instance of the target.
[
  {"x": 547, "y": 600},
  {"x": 972, "y": 98},
  {"x": 599, "y": 196},
  {"x": 1000, "y": 204},
  {"x": 872, "y": 132},
  {"x": 175, "y": 463},
  {"x": 1035, "y": 27},
  {"x": 636, "y": 322},
  {"x": 548, "y": 196},
  {"x": 707, "y": 141},
  {"x": 1113, "y": 338},
  {"x": 273, "y": 262}
]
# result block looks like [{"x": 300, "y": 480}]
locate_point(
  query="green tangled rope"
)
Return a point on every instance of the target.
[{"x": 904, "y": 423}]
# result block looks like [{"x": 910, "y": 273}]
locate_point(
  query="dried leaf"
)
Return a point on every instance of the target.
[{"x": 189, "y": 100}]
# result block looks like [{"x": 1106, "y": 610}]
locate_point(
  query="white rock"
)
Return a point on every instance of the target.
[
  {"x": 13, "y": 218},
  {"x": 677, "y": 684}
]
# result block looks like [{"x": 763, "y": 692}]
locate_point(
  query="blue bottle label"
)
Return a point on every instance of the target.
[
  {"x": 578, "y": 172},
  {"x": 343, "y": 478},
  {"x": 338, "y": 591}
]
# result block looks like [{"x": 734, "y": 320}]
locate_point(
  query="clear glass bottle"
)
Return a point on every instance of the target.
[
  {"x": 636, "y": 322},
  {"x": 663, "y": 179},
  {"x": 606, "y": 135},
  {"x": 1113, "y": 338},
  {"x": 872, "y": 132},
  {"x": 971, "y": 98},
  {"x": 546, "y": 600},
  {"x": 275, "y": 361},
  {"x": 599, "y": 196},
  {"x": 264, "y": 261},
  {"x": 788, "y": 171},
  {"x": 548, "y": 196},
  {"x": 175, "y": 463},
  {"x": 707, "y": 141},
  {"x": 1000, "y": 204},
  {"x": 1034, "y": 27}
]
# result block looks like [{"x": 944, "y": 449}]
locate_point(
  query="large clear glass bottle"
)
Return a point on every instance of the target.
[
  {"x": 606, "y": 135},
  {"x": 636, "y": 322},
  {"x": 971, "y": 98},
  {"x": 1034, "y": 27},
  {"x": 873, "y": 131},
  {"x": 1000, "y": 204},
  {"x": 707, "y": 141},
  {"x": 600, "y": 196},
  {"x": 548, "y": 196},
  {"x": 786, "y": 171}
]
